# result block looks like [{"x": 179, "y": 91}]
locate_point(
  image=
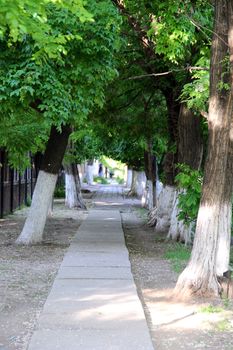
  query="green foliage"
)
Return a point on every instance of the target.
[
  {"x": 101, "y": 180},
  {"x": 65, "y": 88},
  {"x": 120, "y": 180},
  {"x": 59, "y": 191},
  {"x": 19, "y": 18},
  {"x": 224, "y": 325},
  {"x": 190, "y": 183},
  {"x": 179, "y": 255},
  {"x": 210, "y": 309},
  {"x": 196, "y": 93}
]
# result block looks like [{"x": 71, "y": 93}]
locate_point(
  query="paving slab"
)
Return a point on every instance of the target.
[
  {"x": 89, "y": 339},
  {"x": 93, "y": 303},
  {"x": 96, "y": 259},
  {"x": 94, "y": 272}
]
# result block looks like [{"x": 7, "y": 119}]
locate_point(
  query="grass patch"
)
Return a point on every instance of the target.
[
  {"x": 120, "y": 180},
  {"x": 142, "y": 213},
  {"x": 223, "y": 325},
  {"x": 101, "y": 180},
  {"x": 210, "y": 309},
  {"x": 178, "y": 254}
]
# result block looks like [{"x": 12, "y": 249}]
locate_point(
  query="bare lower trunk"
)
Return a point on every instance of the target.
[
  {"x": 42, "y": 197},
  {"x": 74, "y": 197},
  {"x": 200, "y": 276},
  {"x": 151, "y": 175},
  {"x": 133, "y": 188}
]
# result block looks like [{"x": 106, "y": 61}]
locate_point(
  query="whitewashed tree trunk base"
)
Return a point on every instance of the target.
[
  {"x": 147, "y": 198},
  {"x": 129, "y": 178},
  {"x": 152, "y": 217},
  {"x": 164, "y": 210},
  {"x": 224, "y": 239},
  {"x": 138, "y": 184},
  {"x": 42, "y": 197},
  {"x": 89, "y": 174},
  {"x": 199, "y": 277},
  {"x": 71, "y": 196},
  {"x": 178, "y": 231}
]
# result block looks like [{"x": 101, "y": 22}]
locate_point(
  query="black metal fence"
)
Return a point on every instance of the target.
[{"x": 15, "y": 189}]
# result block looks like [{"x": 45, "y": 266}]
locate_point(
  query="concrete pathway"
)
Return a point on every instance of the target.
[{"x": 93, "y": 303}]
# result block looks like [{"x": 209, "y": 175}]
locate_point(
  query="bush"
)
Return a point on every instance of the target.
[
  {"x": 59, "y": 192},
  {"x": 100, "y": 180},
  {"x": 120, "y": 180},
  {"x": 190, "y": 181}
]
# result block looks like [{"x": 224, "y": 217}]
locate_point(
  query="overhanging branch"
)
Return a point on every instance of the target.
[{"x": 188, "y": 68}]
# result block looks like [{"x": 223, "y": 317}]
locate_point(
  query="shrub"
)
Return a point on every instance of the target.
[
  {"x": 100, "y": 180},
  {"x": 190, "y": 182},
  {"x": 59, "y": 192}
]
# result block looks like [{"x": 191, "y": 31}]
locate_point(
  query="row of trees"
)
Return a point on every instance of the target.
[{"x": 129, "y": 80}]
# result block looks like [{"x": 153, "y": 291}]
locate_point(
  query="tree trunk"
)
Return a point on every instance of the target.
[
  {"x": 138, "y": 184},
  {"x": 74, "y": 197},
  {"x": 213, "y": 222},
  {"x": 151, "y": 172},
  {"x": 190, "y": 152},
  {"x": 89, "y": 172},
  {"x": 164, "y": 210},
  {"x": 34, "y": 225},
  {"x": 129, "y": 178},
  {"x": 161, "y": 216},
  {"x": 147, "y": 200},
  {"x": 178, "y": 231},
  {"x": 190, "y": 143}
]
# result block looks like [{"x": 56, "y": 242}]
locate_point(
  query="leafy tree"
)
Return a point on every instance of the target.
[
  {"x": 65, "y": 88},
  {"x": 19, "y": 18},
  {"x": 210, "y": 254}
]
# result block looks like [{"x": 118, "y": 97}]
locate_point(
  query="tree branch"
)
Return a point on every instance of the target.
[{"x": 188, "y": 68}]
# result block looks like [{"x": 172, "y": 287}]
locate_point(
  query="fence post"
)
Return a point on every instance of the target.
[
  {"x": 31, "y": 175},
  {"x": 19, "y": 198},
  {"x": 26, "y": 187},
  {"x": 11, "y": 190}
]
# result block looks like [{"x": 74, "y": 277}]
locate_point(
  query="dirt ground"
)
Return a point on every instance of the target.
[
  {"x": 27, "y": 274},
  {"x": 200, "y": 324}
]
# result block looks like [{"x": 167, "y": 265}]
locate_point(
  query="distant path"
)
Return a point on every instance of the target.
[{"x": 93, "y": 304}]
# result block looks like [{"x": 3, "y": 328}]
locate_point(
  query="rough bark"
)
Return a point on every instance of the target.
[
  {"x": 190, "y": 143},
  {"x": 190, "y": 152},
  {"x": 34, "y": 225},
  {"x": 200, "y": 276},
  {"x": 151, "y": 173},
  {"x": 74, "y": 197}
]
